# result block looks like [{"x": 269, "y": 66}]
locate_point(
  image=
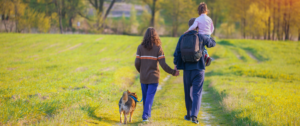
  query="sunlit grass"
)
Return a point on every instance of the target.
[
  {"x": 263, "y": 90},
  {"x": 66, "y": 79},
  {"x": 79, "y": 79}
]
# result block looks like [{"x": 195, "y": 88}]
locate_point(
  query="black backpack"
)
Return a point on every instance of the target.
[{"x": 189, "y": 47}]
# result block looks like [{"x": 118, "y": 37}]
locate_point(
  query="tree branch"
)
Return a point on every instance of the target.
[
  {"x": 93, "y": 4},
  {"x": 96, "y": 4},
  {"x": 80, "y": 14},
  {"x": 108, "y": 9}
]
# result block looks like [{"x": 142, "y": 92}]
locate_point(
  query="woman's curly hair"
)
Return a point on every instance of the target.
[{"x": 151, "y": 38}]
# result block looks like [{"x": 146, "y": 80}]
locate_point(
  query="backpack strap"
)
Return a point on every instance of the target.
[{"x": 200, "y": 42}]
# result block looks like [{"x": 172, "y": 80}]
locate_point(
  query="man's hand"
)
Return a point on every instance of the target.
[{"x": 175, "y": 68}]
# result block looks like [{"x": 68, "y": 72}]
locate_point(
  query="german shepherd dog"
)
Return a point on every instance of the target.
[{"x": 127, "y": 105}]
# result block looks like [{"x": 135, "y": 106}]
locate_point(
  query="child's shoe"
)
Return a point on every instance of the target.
[{"x": 207, "y": 60}]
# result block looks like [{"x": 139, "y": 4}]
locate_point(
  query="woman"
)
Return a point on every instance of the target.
[{"x": 148, "y": 55}]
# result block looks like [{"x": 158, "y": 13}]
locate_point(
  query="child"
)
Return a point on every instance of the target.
[
  {"x": 205, "y": 27},
  {"x": 148, "y": 55}
]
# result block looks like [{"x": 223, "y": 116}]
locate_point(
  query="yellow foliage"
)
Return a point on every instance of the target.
[
  {"x": 43, "y": 22},
  {"x": 256, "y": 19},
  {"x": 227, "y": 29}
]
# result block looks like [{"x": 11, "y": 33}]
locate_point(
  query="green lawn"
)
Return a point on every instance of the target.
[{"x": 79, "y": 79}]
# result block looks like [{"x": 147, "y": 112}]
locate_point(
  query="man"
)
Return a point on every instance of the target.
[{"x": 193, "y": 75}]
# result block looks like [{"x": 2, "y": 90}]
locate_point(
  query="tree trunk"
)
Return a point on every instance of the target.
[
  {"x": 101, "y": 5},
  {"x": 215, "y": 19},
  {"x": 215, "y": 25},
  {"x": 287, "y": 28},
  {"x": 284, "y": 24},
  {"x": 285, "y": 20},
  {"x": 60, "y": 24},
  {"x": 244, "y": 28},
  {"x": 175, "y": 26},
  {"x": 269, "y": 23},
  {"x": 5, "y": 26},
  {"x": 153, "y": 14},
  {"x": 16, "y": 16},
  {"x": 278, "y": 21},
  {"x": 3, "y": 17},
  {"x": 287, "y": 34},
  {"x": 70, "y": 22},
  {"x": 59, "y": 14},
  {"x": 274, "y": 26},
  {"x": 269, "y": 28},
  {"x": 8, "y": 16},
  {"x": 298, "y": 34},
  {"x": 175, "y": 31}
]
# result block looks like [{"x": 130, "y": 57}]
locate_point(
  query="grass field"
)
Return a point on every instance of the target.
[{"x": 78, "y": 80}]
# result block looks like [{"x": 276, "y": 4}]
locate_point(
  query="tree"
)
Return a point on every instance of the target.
[
  {"x": 6, "y": 9},
  {"x": 99, "y": 7},
  {"x": 226, "y": 29},
  {"x": 155, "y": 6},
  {"x": 145, "y": 19},
  {"x": 257, "y": 20},
  {"x": 133, "y": 20},
  {"x": 58, "y": 7},
  {"x": 178, "y": 12}
]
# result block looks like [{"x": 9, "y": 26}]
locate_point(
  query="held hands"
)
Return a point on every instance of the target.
[{"x": 177, "y": 71}]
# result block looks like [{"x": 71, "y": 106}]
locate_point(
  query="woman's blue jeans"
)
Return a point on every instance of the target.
[{"x": 148, "y": 91}]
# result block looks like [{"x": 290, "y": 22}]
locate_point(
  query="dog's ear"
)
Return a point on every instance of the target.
[
  {"x": 128, "y": 91},
  {"x": 133, "y": 93}
]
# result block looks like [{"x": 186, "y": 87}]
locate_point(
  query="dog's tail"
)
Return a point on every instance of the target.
[{"x": 125, "y": 97}]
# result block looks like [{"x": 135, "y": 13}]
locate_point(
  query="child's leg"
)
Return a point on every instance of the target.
[
  {"x": 205, "y": 51},
  {"x": 207, "y": 59}
]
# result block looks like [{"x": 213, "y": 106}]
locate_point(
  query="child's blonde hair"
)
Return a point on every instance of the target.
[{"x": 202, "y": 8}]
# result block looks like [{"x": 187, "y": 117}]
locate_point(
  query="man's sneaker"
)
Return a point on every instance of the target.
[
  {"x": 194, "y": 120},
  {"x": 145, "y": 120},
  {"x": 187, "y": 118}
]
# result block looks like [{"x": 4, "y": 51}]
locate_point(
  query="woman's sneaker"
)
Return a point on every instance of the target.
[
  {"x": 187, "y": 118},
  {"x": 194, "y": 120},
  {"x": 145, "y": 120}
]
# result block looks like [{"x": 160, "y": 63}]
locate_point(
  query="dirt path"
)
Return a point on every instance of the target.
[
  {"x": 252, "y": 56},
  {"x": 169, "y": 105},
  {"x": 237, "y": 55}
]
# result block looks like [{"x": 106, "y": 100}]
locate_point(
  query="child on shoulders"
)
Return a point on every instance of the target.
[{"x": 205, "y": 27}]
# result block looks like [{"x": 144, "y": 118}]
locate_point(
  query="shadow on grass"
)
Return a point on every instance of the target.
[
  {"x": 223, "y": 117},
  {"x": 225, "y": 43},
  {"x": 91, "y": 113},
  {"x": 256, "y": 54},
  {"x": 213, "y": 73}
]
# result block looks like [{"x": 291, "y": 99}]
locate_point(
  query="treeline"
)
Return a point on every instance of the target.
[
  {"x": 250, "y": 19},
  {"x": 22, "y": 15},
  {"x": 257, "y": 19}
]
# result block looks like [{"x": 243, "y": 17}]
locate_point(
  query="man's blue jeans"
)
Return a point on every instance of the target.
[
  {"x": 148, "y": 91},
  {"x": 193, "y": 83}
]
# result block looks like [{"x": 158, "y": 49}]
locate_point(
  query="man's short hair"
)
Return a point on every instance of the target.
[{"x": 191, "y": 22}]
